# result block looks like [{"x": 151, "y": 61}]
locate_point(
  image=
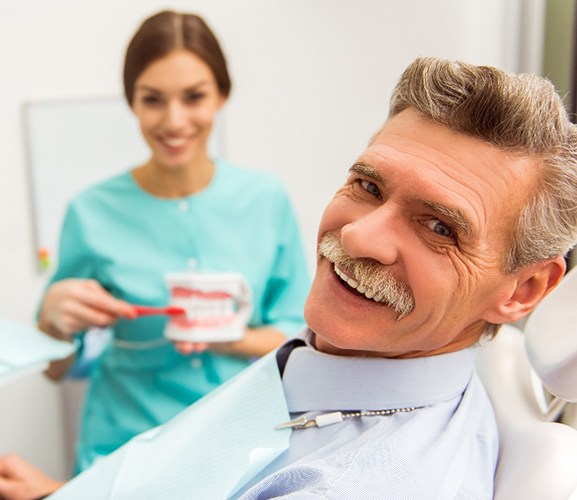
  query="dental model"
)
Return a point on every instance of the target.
[{"x": 217, "y": 306}]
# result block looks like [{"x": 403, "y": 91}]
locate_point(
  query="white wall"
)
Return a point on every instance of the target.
[{"x": 312, "y": 80}]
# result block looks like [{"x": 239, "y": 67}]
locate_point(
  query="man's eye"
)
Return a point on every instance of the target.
[
  {"x": 370, "y": 188},
  {"x": 440, "y": 228}
]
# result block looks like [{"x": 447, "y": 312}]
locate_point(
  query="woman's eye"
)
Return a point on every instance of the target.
[
  {"x": 370, "y": 188},
  {"x": 440, "y": 228},
  {"x": 193, "y": 97},
  {"x": 151, "y": 100}
]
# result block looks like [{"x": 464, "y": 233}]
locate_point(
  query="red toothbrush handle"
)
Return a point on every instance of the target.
[{"x": 168, "y": 310}]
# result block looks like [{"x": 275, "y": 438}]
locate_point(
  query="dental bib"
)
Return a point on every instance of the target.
[{"x": 210, "y": 450}]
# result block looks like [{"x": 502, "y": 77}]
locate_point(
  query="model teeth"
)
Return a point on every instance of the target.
[{"x": 354, "y": 284}]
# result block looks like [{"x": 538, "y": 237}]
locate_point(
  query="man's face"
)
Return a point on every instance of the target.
[{"x": 430, "y": 213}]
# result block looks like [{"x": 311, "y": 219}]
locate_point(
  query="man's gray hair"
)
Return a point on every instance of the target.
[{"x": 520, "y": 113}]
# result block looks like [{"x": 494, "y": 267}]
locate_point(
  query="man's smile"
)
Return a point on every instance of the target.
[
  {"x": 366, "y": 277},
  {"x": 354, "y": 286}
]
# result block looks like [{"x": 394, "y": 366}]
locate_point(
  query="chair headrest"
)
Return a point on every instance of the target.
[{"x": 551, "y": 339}]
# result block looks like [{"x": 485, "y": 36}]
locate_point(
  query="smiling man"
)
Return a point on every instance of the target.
[
  {"x": 413, "y": 249},
  {"x": 454, "y": 220}
]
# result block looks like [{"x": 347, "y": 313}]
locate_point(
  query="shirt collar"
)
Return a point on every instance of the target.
[{"x": 316, "y": 381}]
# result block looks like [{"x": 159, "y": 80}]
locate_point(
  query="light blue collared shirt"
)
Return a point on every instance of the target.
[{"x": 446, "y": 449}]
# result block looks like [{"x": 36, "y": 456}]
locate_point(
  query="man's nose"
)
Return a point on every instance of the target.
[{"x": 376, "y": 235}]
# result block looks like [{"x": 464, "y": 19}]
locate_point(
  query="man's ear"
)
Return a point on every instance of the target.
[{"x": 532, "y": 284}]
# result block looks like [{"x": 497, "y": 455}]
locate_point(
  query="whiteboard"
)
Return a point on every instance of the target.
[{"x": 72, "y": 144}]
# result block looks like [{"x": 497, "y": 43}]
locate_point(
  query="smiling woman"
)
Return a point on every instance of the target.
[
  {"x": 121, "y": 237},
  {"x": 175, "y": 80},
  {"x": 176, "y": 100}
]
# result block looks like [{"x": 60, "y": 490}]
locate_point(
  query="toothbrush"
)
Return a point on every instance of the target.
[{"x": 168, "y": 310}]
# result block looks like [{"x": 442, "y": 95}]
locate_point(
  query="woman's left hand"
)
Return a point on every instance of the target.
[
  {"x": 187, "y": 348},
  {"x": 256, "y": 343}
]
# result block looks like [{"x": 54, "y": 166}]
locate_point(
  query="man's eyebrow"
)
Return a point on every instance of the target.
[
  {"x": 454, "y": 214},
  {"x": 361, "y": 168}
]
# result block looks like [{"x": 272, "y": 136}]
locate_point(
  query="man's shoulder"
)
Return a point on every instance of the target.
[{"x": 445, "y": 450}]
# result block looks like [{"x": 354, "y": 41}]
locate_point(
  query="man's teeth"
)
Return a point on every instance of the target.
[{"x": 354, "y": 284}]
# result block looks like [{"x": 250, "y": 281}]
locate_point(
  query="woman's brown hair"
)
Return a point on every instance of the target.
[{"x": 166, "y": 31}]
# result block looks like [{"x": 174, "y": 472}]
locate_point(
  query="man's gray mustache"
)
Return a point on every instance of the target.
[{"x": 375, "y": 277}]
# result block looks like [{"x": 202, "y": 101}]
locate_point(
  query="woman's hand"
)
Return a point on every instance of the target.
[
  {"x": 255, "y": 343},
  {"x": 187, "y": 348},
  {"x": 20, "y": 480},
  {"x": 73, "y": 305}
]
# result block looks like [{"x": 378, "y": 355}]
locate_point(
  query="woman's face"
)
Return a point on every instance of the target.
[{"x": 176, "y": 99}]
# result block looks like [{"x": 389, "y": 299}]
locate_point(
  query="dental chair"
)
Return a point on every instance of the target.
[{"x": 529, "y": 376}]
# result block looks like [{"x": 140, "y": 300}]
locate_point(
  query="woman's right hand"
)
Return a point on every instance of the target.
[
  {"x": 73, "y": 305},
  {"x": 20, "y": 480}
]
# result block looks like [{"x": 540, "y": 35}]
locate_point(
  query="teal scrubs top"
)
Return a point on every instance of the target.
[{"x": 127, "y": 240}]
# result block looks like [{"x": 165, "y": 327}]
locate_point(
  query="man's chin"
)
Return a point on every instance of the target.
[{"x": 344, "y": 345}]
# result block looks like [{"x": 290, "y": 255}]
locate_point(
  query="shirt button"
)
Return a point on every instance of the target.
[
  {"x": 183, "y": 205},
  {"x": 196, "y": 363}
]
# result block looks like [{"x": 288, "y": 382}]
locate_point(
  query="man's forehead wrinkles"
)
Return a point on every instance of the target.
[{"x": 423, "y": 155}]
